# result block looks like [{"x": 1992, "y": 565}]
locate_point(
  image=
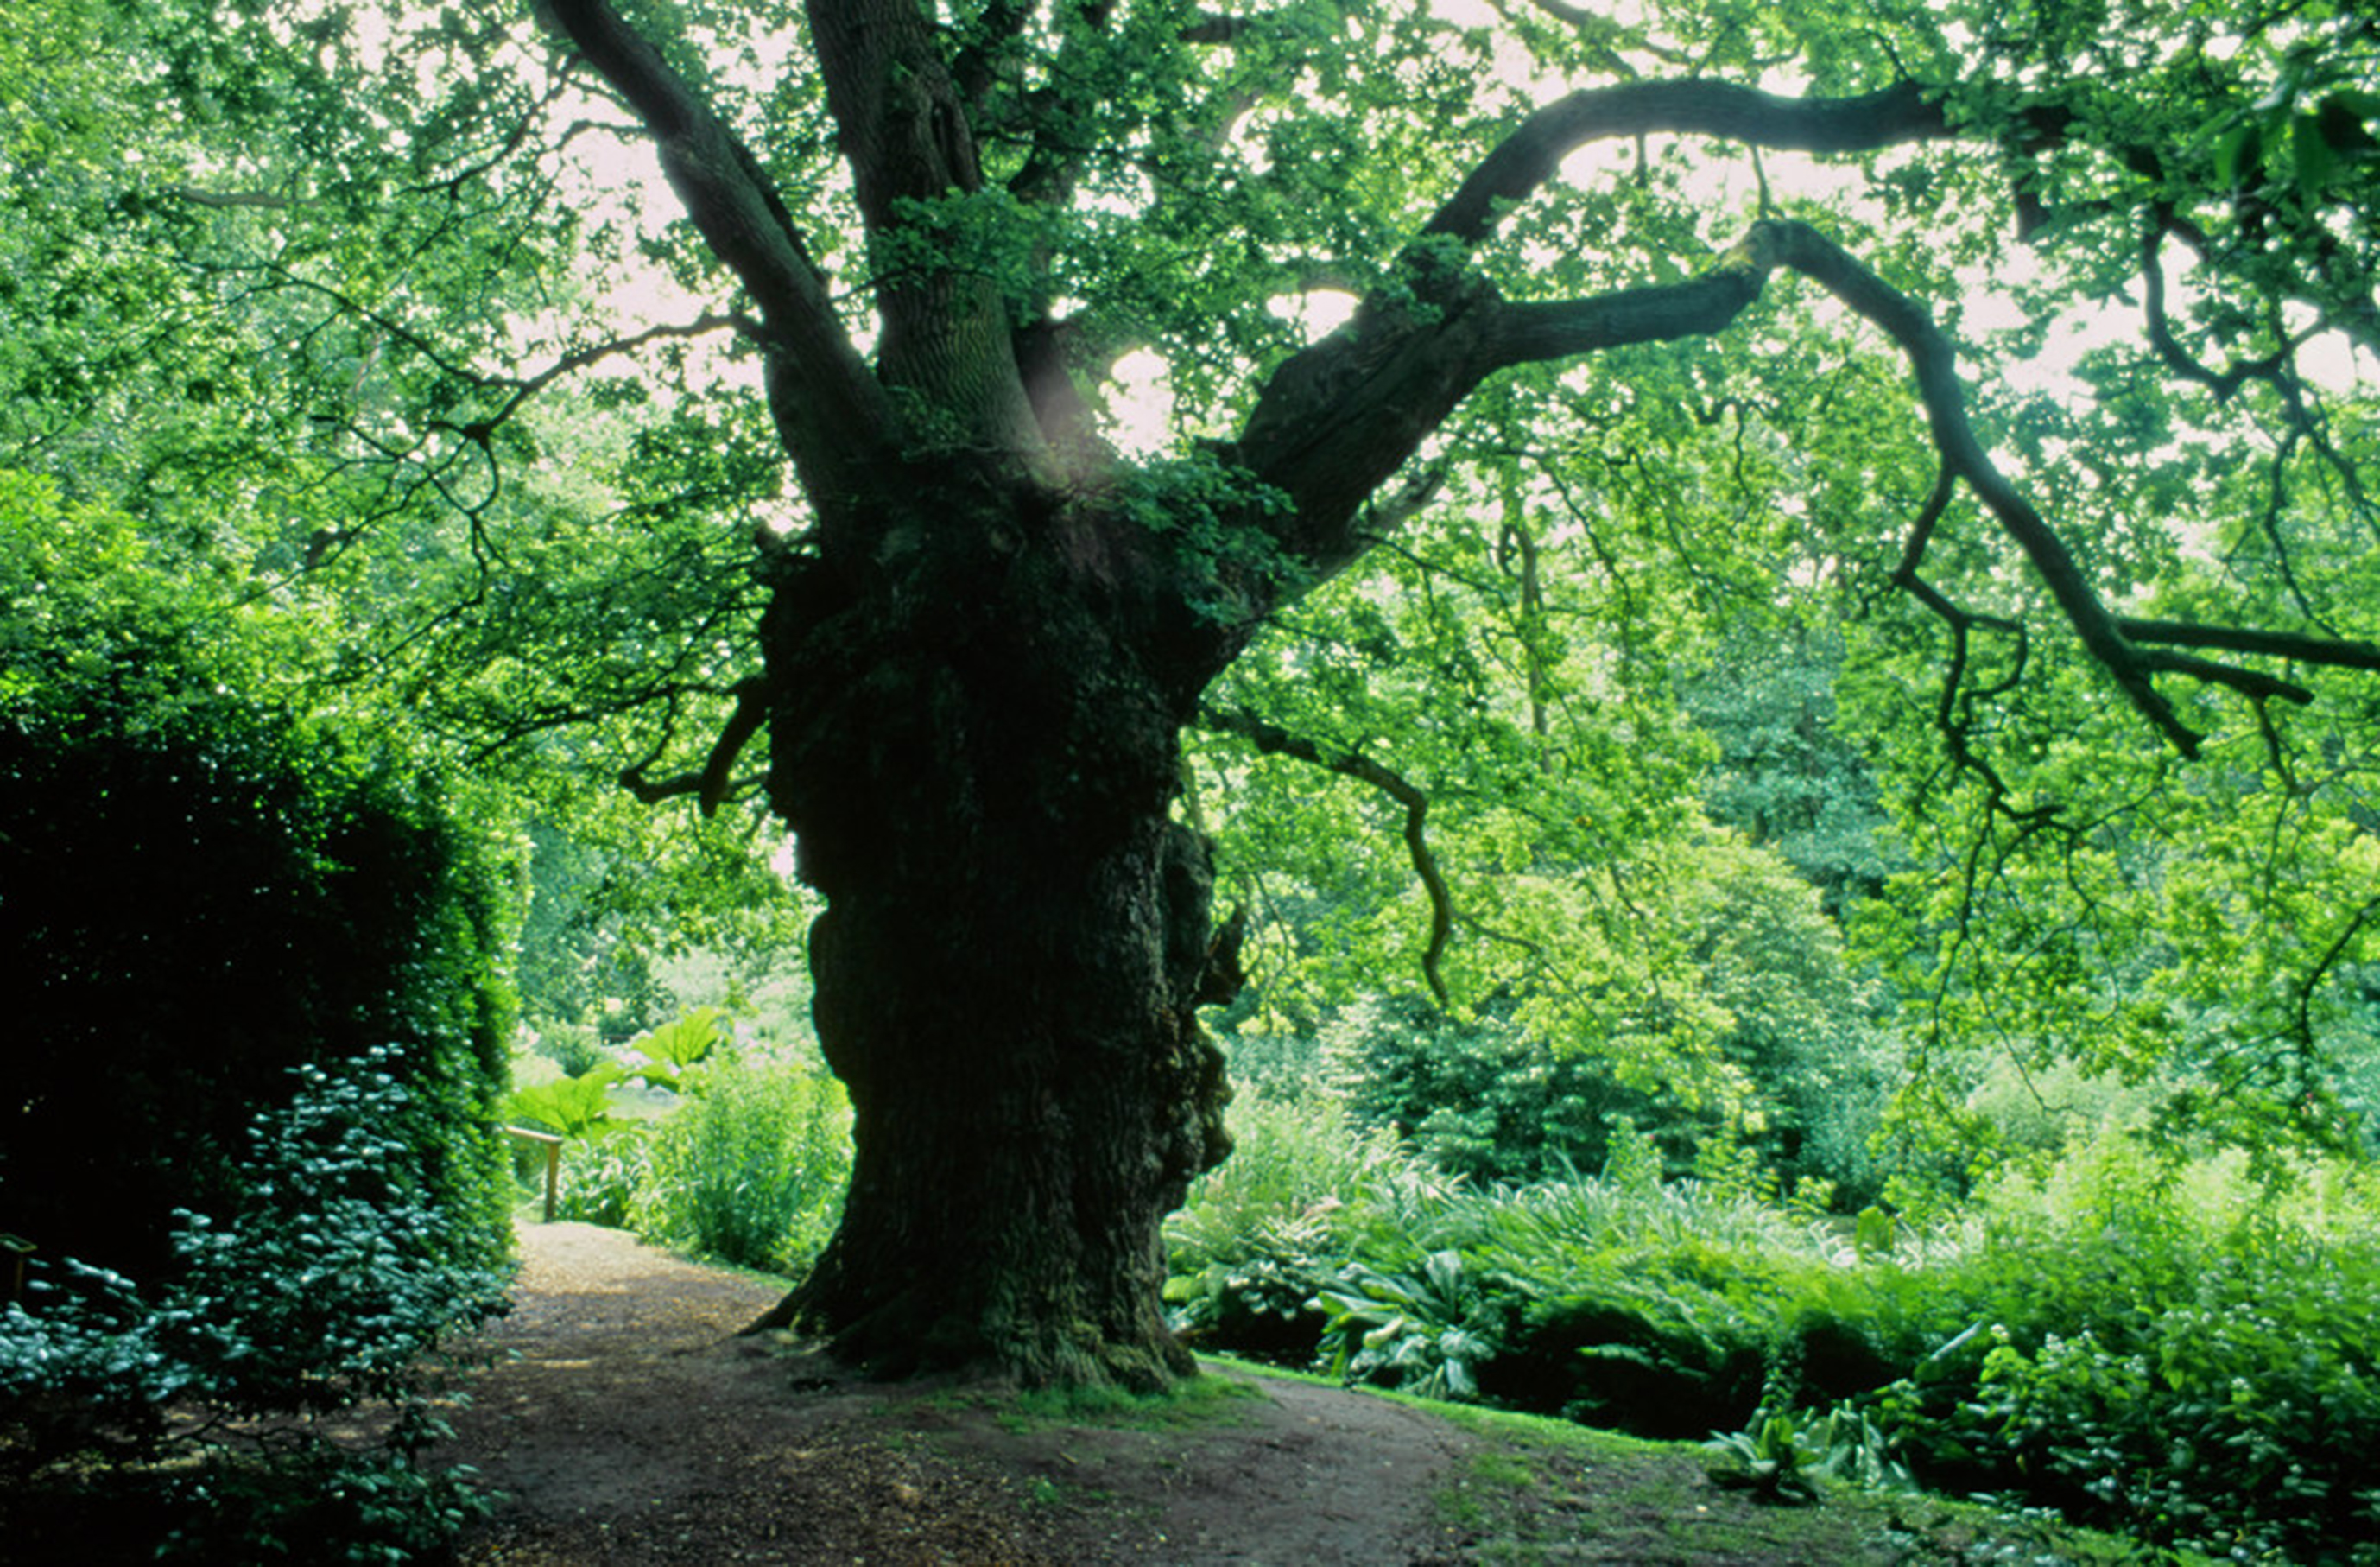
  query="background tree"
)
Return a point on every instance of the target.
[{"x": 977, "y": 630}]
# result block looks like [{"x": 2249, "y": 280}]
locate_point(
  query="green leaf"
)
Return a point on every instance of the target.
[
  {"x": 2236, "y": 154},
  {"x": 675, "y": 1046},
  {"x": 2315, "y": 159},
  {"x": 570, "y": 1106}
]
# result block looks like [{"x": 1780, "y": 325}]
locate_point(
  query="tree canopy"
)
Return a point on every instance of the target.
[{"x": 916, "y": 419}]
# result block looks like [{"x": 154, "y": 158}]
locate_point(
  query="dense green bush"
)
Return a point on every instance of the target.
[
  {"x": 326, "y": 1284},
  {"x": 741, "y": 1155},
  {"x": 604, "y": 1171},
  {"x": 1304, "y": 1193},
  {"x": 1485, "y": 1098},
  {"x": 1660, "y": 1309},
  {"x": 2167, "y": 1348},
  {"x": 198, "y": 893},
  {"x": 2169, "y": 1351},
  {"x": 1669, "y": 1311},
  {"x": 751, "y": 1168},
  {"x": 1478, "y": 1099}
]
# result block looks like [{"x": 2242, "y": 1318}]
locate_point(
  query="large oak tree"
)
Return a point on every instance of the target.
[{"x": 943, "y": 229}]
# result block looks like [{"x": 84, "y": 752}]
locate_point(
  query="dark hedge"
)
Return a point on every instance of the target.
[{"x": 197, "y": 893}]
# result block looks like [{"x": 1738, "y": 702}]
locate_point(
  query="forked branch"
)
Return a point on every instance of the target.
[
  {"x": 715, "y": 781},
  {"x": 835, "y": 416},
  {"x": 1529, "y": 157},
  {"x": 1273, "y": 740},
  {"x": 2114, "y": 643}
]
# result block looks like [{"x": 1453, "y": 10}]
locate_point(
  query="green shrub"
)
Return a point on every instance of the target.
[
  {"x": 606, "y": 1175},
  {"x": 1783, "y": 1458},
  {"x": 1658, "y": 1309},
  {"x": 1302, "y": 1193},
  {"x": 1485, "y": 1099},
  {"x": 567, "y": 1107},
  {"x": 327, "y": 1285},
  {"x": 751, "y": 1168},
  {"x": 2170, "y": 1353},
  {"x": 1299, "y": 1170},
  {"x": 1481, "y": 1099},
  {"x": 576, "y": 1047},
  {"x": 198, "y": 892},
  {"x": 1666, "y": 1310},
  {"x": 1426, "y": 1332},
  {"x": 2170, "y": 1350}
]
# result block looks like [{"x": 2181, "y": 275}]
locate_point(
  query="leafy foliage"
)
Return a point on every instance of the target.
[
  {"x": 324, "y": 1286},
  {"x": 306, "y": 337},
  {"x": 2167, "y": 1348},
  {"x": 602, "y": 1176},
  {"x": 674, "y": 1048},
  {"x": 1784, "y": 1460},
  {"x": 202, "y": 893},
  {"x": 568, "y": 1107},
  {"x": 1261, "y": 1235},
  {"x": 751, "y": 1168},
  {"x": 736, "y": 1149},
  {"x": 1413, "y": 1331},
  {"x": 2172, "y": 1352}
]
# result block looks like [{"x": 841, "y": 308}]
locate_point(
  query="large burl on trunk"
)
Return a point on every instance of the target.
[{"x": 976, "y": 747}]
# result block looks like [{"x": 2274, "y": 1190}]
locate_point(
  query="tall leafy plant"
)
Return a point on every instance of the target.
[
  {"x": 326, "y": 1282},
  {"x": 751, "y": 1167}
]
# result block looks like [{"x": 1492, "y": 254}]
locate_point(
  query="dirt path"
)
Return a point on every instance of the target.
[
  {"x": 629, "y": 1426},
  {"x": 624, "y": 1424}
]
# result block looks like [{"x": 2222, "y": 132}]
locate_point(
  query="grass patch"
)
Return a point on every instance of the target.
[
  {"x": 1542, "y": 1489},
  {"x": 1200, "y": 1402}
]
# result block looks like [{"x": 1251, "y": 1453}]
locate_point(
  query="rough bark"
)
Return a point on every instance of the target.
[{"x": 979, "y": 753}]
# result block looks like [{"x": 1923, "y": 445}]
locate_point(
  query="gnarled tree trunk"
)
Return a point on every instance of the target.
[{"x": 979, "y": 759}]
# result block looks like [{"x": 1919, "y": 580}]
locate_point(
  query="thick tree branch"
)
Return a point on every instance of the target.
[
  {"x": 1527, "y": 158},
  {"x": 1273, "y": 740},
  {"x": 906, "y": 132},
  {"x": 1335, "y": 419},
  {"x": 716, "y": 782},
  {"x": 1338, "y": 419},
  {"x": 2332, "y": 653},
  {"x": 835, "y": 418},
  {"x": 1700, "y": 307},
  {"x": 1935, "y": 365},
  {"x": 2253, "y": 684},
  {"x": 989, "y": 37}
]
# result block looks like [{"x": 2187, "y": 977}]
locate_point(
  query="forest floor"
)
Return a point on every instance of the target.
[{"x": 623, "y": 1422}]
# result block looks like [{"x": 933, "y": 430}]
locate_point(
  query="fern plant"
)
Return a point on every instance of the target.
[{"x": 1421, "y": 1331}]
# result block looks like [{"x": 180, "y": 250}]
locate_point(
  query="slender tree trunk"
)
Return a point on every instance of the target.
[{"x": 980, "y": 770}]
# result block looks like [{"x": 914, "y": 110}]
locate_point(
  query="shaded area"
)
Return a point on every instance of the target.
[{"x": 629, "y": 1426}]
